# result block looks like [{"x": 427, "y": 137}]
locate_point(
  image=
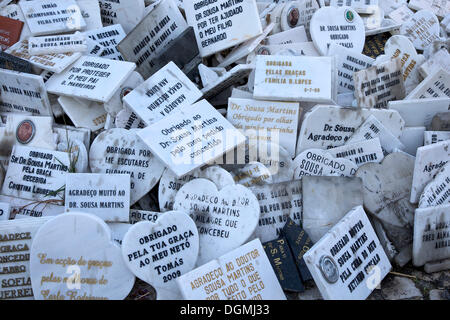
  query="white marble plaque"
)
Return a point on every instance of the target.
[
  {"x": 115, "y": 104},
  {"x": 242, "y": 274},
  {"x": 30, "y": 131},
  {"x": 191, "y": 137},
  {"x": 422, "y": 29},
  {"x": 377, "y": 85},
  {"x": 222, "y": 24},
  {"x": 13, "y": 11},
  {"x": 91, "y": 78},
  {"x": 36, "y": 174},
  {"x": 361, "y": 152},
  {"x": 4, "y": 211},
  {"x": 318, "y": 162},
  {"x": 15, "y": 238},
  {"x": 326, "y": 127},
  {"x": 106, "y": 196},
  {"x": 437, "y": 61},
  {"x": 401, "y": 14},
  {"x": 109, "y": 37},
  {"x": 431, "y": 234},
  {"x": 163, "y": 93},
  {"x": 349, "y": 261},
  {"x": 340, "y": 25},
  {"x": 145, "y": 42},
  {"x": 127, "y": 13},
  {"x": 436, "y": 85},
  {"x": 73, "y": 257},
  {"x": 225, "y": 218},
  {"x": 127, "y": 119},
  {"x": 431, "y": 137},
  {"x": 120, "y": 151},
  {"x": 360, "y": 6},
  {"x": 23, "y": 93},
  {"x": 52, "y": 17},
  {"x": 57, "y": 44},
  {"x": 257, "y": 119},
  {"x": 429, "y": 161},
  {"x": 30, "y": 209},
  {"x": 56, "y": 62},
  {"x": 439, "y": 7},
  {"x": 161, "y": 252},
  {"x": 291, "y": 78},
  {"x": 372, "y": 128},
  {"x": 84, "y": 113},
  {"x": 348, "y": 62},
  {"x": 412, "y": 138},
  {"x": 252, "y": 174},
  {"x": 437, "y": 192},
  {"x": 297, "y": 13},
  {"x": 295, "y": 35},
  {"x": 278, "y": 202},
  {"x": 90, "y": 10}
]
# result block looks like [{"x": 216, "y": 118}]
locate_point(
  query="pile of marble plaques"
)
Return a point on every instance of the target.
[{"x": 221, "y": 149}]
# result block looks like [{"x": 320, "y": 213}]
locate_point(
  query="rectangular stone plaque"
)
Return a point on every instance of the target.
[
  {"x": 436, "y": 85},
  {"x": 51, "y": 62},
  {"x": 24, "y": 208},
  {"x": 105, "y": 195},
  {"x": 51, "y": 17},
  {"x": 23, "y": 93},
  {"x": 16, "y": 237},
  {"x": 142, "y": 215},
  {"x": 145, "y": 42},
  {"x": 57, "y": 44},
  {"x": 35, "y": 173},
  {"x": 10, "y": 30},
  {"x": 295, "y": 78},
  {"x": 10, "y": 62},
  {"x": 377, "y": 85},
  {"x": 439, "y": 7},
  {"x": 361, "y": 152},
  {"x": 222, "y": 24},
  {"x": 163, "y": 93},
  {"x": 431, "y": 234},
  {"x": 91, "y": 78},
  {"x": 283, "y": 264},
  {"x": 431, "y": 137},
  {"x": 84, "y": 113},
  {"x": 246, "y": 269},
  {"x": 349, "y": 261},
  {"x": 258, "y": 119},
  {"x": 191, "y": 137},
  {"x": 109, "y": 37}
]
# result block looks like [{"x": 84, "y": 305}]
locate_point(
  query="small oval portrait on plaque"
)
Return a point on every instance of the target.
[
  {"x": 329, "y": 269},
  {"x": 292, "y": 17},
  {"x": 25, "y": 131}
]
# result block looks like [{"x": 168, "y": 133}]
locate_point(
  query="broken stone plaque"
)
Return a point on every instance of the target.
[
  {"x": 258, "y": 119},
  {"x": 127, "y": 119},
  {"x": 115, "y": 104},
  {"x": 341, "y": 25},
  {"x": 253, "y": 173},
  {"x": 30, "y": 131},
  {"x": 372, "y": 128},
  {"x": 220, "y": 25},
  {"x": 341, "y": 194},
  {"x": 377, "y": 85},
  {"x": 360, "y": 152},
  {"x": 283, "y": 264},
  {"x": 437, "y": 192},
  {"x": 23, "y": 93},
  {"x": 10, "y": 62},
  {"x": 318, "y": 162},
  {"x": 163, "y": 93},
  {"x": 295, "y": 78},
  {"x": 35, "y": 173},
  {"x": 90, "y": 10},
  {"x": 4, "y": 211},
  {"x": 52, "y": 17},
  {"x": 327, "y": 126},
  {"x": 10, "y": 32},
  {"x": 429, "y": 160},
  {"x": 437, "y": 61},
  {"x": 244, "y": 273},
  {"x": 27, "y": 208},
  {"x": 109, "y": 37},
  {"x": 191, "y": 137},
  {"x": 162, "y": 251},
  {"x": 295, "y": 35},
  {"x": 73, "y": 257},
  {"x": 299, "y": 243},
  {"x": 116, "y": 151},
  {"x": 431, "y": 234},
  {"x": 349, "y": 261},
  {"x": 439, "y": 7},
  {"x": 420, "y": 112},
  {"x": 278, "y": 202},
  {"x": 127, "y": 13},
  {"x": 106, "y": 196},
  {"x": 441, "y": 121},
  {"x": 435, "y": 85},
  {"x": 348, "y": 62},
  {"x": 51, "y": 62},
  {"x": 16, "y": 237},
  {"x": 422, "y": 29},
  {"x": 57, "y": 44},
  {"x": 84, "y": 113},
  {"x": 374, "y": 44},
  {"x": 170, "y": 184},
  {"x": 146, "y": 41},
  {"x": 431, "y": 137},
  {"x": 225, "y": 218},
  {"x": 91, "y": 78}
]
